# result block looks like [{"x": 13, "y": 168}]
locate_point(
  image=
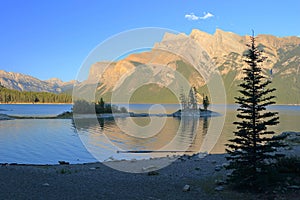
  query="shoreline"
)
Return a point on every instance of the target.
[
  {"x": 38, "y": 103},
  {"x": 24, "y": 103}
]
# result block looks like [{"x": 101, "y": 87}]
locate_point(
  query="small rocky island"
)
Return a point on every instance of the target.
[{"x": 190, "y": 106}]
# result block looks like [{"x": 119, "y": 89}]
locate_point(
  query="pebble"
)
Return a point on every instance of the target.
[
  {"x": 92, "y": 168},
  {"x": 46, "y": 184},
  {"x": 218, "y": 168},
  {"x": 219, "y": 188},
  {"x": 186, "y": 188}
]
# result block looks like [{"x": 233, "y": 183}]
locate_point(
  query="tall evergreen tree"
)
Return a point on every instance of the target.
[{"x": 253, "y": 146}]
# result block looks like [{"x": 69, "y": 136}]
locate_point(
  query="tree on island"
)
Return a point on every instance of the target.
[
  {"x": 252, "y": 152},
  {"x": 189, "y": 103},
  {"x": 85, "y": 107},
  {"x": 183, "y": 100},
  {"x": 101, "y": 103},
  {"x": 193, "y": 99},
  {"x": 205, "y": 102}
]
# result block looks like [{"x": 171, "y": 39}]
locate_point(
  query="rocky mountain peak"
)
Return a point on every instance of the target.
[{"x": 22, "y": 82}]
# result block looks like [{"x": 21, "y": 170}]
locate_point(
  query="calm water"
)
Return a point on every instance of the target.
[
  {"x": 34, "y": 109},
  {"x": 41, "y": 141}
]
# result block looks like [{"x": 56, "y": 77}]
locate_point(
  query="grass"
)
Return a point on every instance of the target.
[
  {"x": 64, "y": 171},
  {"x": 208, "y": 185}
]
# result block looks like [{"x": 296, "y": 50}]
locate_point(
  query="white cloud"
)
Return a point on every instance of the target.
[
  {"x": 191, "y": 16},
  {"x": 206, "y": 15},
  {"x": 194, "y": 17}
]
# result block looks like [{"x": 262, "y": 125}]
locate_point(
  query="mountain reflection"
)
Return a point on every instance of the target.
[{"x": 185, "y": 134}]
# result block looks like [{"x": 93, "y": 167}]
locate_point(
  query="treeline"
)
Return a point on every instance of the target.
[
  {"x": 15, "y": 96},
  {"x": 84, "y": 107}
]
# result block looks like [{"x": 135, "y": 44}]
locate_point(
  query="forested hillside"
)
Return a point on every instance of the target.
[{"x": 14, "y": 96}]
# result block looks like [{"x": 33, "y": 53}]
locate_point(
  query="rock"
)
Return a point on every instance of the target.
[
  {"x": 294, "y": 187},
  {"x": 197, "y": 168},
  {"x": 182, "y": 159},
  {"x": 153, "y": 173},
  {"x": 220, "y": 182},
  {"x": 63, "y": 162},
  {"x": 213, "y": 162},
  {"x": 46, "y": 184},
  {"x": 228, "y": 173},
  {"x": 202, "y": 155},
  {"x": 111, "y": 158},
  {"x": 92, "y": 168},
  {"x": 225, "y": 165},
  {"x": 219, "y": 188},
  {"x": 186, "y": 188},
  {"x": 218, "y": 168}
]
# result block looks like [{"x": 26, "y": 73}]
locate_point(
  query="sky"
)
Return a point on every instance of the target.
[{"x": 52, "y": 38}]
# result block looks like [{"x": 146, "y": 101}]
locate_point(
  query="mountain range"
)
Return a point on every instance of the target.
[
  {"x": 195, "y": 56},
  {"x": 187, "y": 55},
  {"x": 22, "y": 82}
]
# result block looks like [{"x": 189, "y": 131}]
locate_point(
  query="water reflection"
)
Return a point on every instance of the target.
[{"x": 104, "y": 138}]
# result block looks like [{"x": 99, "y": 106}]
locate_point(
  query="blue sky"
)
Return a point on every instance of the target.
[{"x": 51, "y": 38}]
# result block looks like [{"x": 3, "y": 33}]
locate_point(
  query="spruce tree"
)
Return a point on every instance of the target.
[{"x": 252, "y": 151}]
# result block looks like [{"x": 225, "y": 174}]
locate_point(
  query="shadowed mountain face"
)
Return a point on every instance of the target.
[
  {"x": 196, "y": 57},
  {"x": 23, "y": 82}
]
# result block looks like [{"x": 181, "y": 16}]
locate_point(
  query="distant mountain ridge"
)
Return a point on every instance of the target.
[{"x": 22, "y": 82}]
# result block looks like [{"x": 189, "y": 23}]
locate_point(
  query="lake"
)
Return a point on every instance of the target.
[{"x": 46, "y": 141}]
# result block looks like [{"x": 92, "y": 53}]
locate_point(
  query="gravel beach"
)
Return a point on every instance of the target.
[{"x": 97, "y": 181}]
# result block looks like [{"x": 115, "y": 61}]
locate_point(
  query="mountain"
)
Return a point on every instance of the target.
[
  {"x": 282, "y": 63},
  {"x": 64, "y": 86},
  {"x": 21, "y": 82},
  {"x": 198, "y": 52}
]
